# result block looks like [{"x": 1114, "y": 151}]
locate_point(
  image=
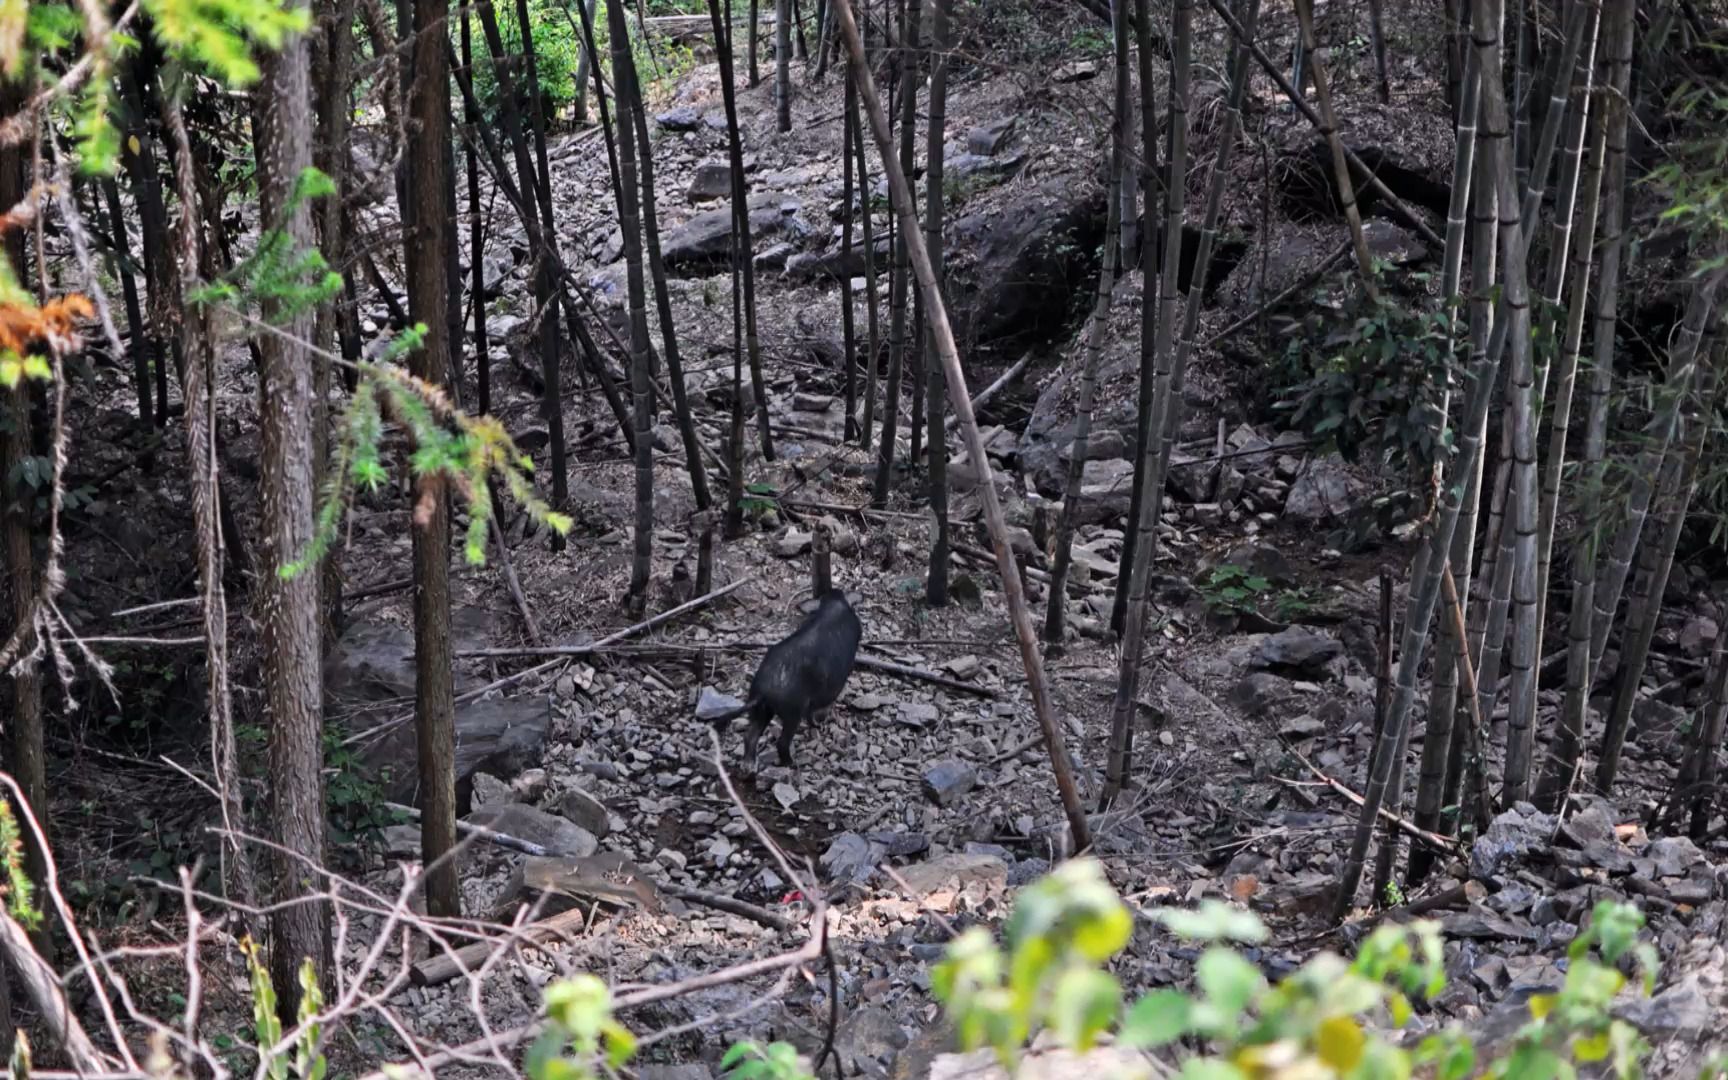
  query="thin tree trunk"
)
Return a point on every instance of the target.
[
  {"x": 476, "y": 227},
  {"x": 553, "y": 401},
  {"x": 745, "y": 257},
  {"x": 1485, "y": 219},
  {"x": 292, "y": 655},
  {"x": 915, "y": 359},
  {"x": 1377, "y": 32},
  {"x": 1150, "y": 253},
  {"x": 584, "y": 62},
  {"x": 943, "y": 334},
  {"x": 1431, "y": 557},
  {"x": 1513, "y": 579},
  {"x": 332, "y": 74},
  {"x": 1329, "y": 129},
  {"x": 1166, "y": 409},
  {"x": 1567, "y": 745},
  {"x": 537, "y": 241},
  {"x": 17, "y": 502},
  {"x": 1645, "y": 609},
  {"x": 755, "y": 71},
  {"x": 1443, "y": 691},
  {"x": 1572, "y": 342},
  {"x": 435, "y": 708},
  {"x": 1092, "y": 346},
  {"x": 1704, "y": 796},
  {"x": 898, "y": 284},
  {"x": 1658, "y": 433},
  {"x": 668, "y": 326},
  {"x": 936, "y": 582},
  {"x": 153, "y": 239},
  {"x": 1372, "y": 182},
  {"x": 199, "y": 389},
  {"x": 849, "y": 198},
  {"x": 782, "y": 65},
  {"x": 138, "y": 334},
  {"x": 537, "y": 218},
  {"x": 867, "y": 419},
  {"x": 629, "y": 221}
]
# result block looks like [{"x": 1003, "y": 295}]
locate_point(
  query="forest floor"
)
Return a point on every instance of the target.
[{"x": 1252, "y": 721}]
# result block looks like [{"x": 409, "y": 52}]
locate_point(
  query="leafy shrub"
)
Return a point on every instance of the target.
[
  {"x": 1368, "y": 379},
  {"x": 558, "y": 50},
  {"x": 1324, "y": 1020},
  {"x": 1236, "y": 588}
]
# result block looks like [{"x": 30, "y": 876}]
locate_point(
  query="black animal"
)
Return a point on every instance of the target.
[{"x": 802, "y": 675}]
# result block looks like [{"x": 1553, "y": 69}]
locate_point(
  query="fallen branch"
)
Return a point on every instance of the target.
[
  {"x": 906, "y": 671},
  {"x": 1443, "y": 844},
  {"x": 727, "y": 904},
  {"x": 629, "y": 631},
  {"x": 42, "y": 987},
  {"x": 992, "y": 390},
  {"x": 510, "y": 578},
  {"x": 436, "y": 970},
  {"x": 984, "y": 556},
  {"x": 730, "y": 905}
]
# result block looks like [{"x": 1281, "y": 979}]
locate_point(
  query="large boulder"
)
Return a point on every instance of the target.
[
  {"x": 836, "y": 262},
  {"x": 1324, "y": 489},
  {"x": 1021, "y": 266},
  {"x": 704, "y": 243},
  {"x": 1049, "y": 434},
  {"x": 369, "y": 691},
  {"x": 556, "y": 835}
]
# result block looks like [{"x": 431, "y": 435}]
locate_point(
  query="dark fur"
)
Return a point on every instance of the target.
[{"x": 800, "y": 676}]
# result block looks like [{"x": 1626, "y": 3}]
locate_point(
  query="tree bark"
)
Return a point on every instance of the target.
[
  {"x": 17, "y": 506},
  {"x": 936, "y": 582},
  {"x": 199, "y": 387},
  {"x": 783, "y": 65},
  {"x": 663, "y": 299},
  {"x": 138, "y": 334},
  {"x": 1150, "y": 254},
  {"x": 849, "y": 198},
  {"x": 1092, "y": 345},
  {"x": 873, "y": 335},
  {"x": 743, "y": 259},
  {"x": 476, "y": 235},
  {"x": 1431, "y": 558},
  {"x": 629, "y": 221},
  {"x": 293, "y": 681},
  {"x": 898, "y": 282},
  {"x": 333, "y": 76},
  {"x": 537, "y": 219},
  {"x": 428, "y": 241},
  {"x": 1166, "y": 410}
]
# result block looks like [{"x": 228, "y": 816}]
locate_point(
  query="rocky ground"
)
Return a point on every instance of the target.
[{"x": 1249, "y": 710}]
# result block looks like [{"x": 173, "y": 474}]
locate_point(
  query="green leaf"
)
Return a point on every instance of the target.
[
  {"x": 1230, "y": 982},
  {"x": 1199, "y": 1068},
  {"x": 1161, "y": 1017},
  {"x": 1214, "y": 920},
  {"x": 1085, "y": 1002}
]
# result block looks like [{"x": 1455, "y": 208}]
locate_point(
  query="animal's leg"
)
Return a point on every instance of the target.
[
  {"x": 759, "y": 717},
  {"x": 788, "y": 730}
]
